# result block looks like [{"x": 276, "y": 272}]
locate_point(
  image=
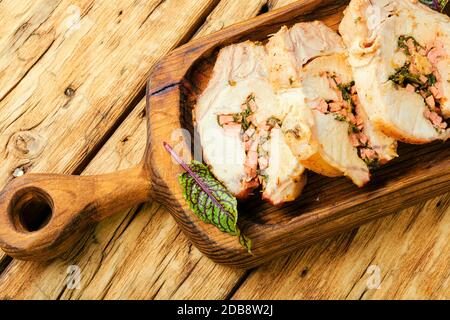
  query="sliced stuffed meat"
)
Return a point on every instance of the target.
[
  {"x": 399, "y": 52},
  {"x": 327, "y": 127},
  {"x": 281, "y": 174},
  {"x": 232, "y": 117},
  {"x": 290, "y": 49},
  {"x": 324, "y": 129}
]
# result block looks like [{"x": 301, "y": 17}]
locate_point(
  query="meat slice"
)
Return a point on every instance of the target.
[
  {"x": 284, "y": 51},
  {"x": 290, "y": 49},
  {"x": 322, "y": 115},
  {"x": 320, "y": 141},
  {"x": 283, "y": 178},
  {"x": 231, "y": 115},
  {"x": 399, "y": 53}
]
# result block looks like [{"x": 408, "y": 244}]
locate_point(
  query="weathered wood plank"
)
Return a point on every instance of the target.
[
  {"x": 62, "y": 109},
  {"x": 409, "y": 228},
  {"x": 26, "y": 32},
  {"x": 272, "y": 4},
  {"x": 411, "y": 250},
  {"x": 136, "y": 247},
  {"x": 229, "y": 12},
  {"x": 337, "y": 268},
  {"x": 410, "y": 179},
  {"x": 140, "y": 253}
]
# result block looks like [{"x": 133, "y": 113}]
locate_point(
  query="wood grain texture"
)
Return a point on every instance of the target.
[
  {"x": 60, "y": 108},
  {"x": 113, "y": 242},
  {"x": 165, "y": 117},
  {"x": 27, "y": 31},
  {"x": 391, "y": 258},
  {"x": 326, "y": 207},
  {"x": 140, "y": 253},
  {"x": 432, "y": 274},
  {"x": 48, "y": 213}
]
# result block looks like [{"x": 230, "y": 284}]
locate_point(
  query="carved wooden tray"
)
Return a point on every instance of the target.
[{"x": 41, "y": 215}]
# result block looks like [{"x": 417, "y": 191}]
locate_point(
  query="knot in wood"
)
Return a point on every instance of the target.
[
  {"x": 27, "y": 144},
  {"x": 69, "y": 92}
]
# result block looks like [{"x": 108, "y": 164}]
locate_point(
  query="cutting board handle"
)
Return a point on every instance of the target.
[{"x": 42, "y": 215}]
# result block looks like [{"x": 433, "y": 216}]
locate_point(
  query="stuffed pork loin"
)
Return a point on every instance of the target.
[
  {"x": 290, "y": 49},
  {"x": 326, "y": 128},
  {"x": 238, "y": 119},
  {"x": 399, "y": 52}
]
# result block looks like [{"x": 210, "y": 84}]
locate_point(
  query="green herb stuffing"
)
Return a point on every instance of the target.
[
  {"x": 245, "y": 122},
  {"x": 346, "y": 90},
  {"x": 403, "y": 77},
  {"x": 372, "y": 164},
  {"x": 242, "y": 117},
  {"x": 340, "y": 117},
  {"x": 274, "y": 121},
  {"x": 402, "y": 43},
  {"x": 431, "y": 79},
  {"x": 353, "y": 128}
]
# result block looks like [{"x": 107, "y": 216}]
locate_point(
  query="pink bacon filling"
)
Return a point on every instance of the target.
[
  {"x": 257, "y": 159},
  {"x": 347, "y": 108},
  {"x": 423, "y": 76}
]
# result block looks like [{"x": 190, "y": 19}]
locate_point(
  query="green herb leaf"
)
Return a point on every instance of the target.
[
  {"x": 223, "y": 212},
  {"x": 431, "y": 79},
  {"x": 209, "y": 199},
  {"x": 402, "y": 43},
  {"x": 438, "y": 5},
  {"x": 340, "y": 117},
  {"x": 372, "y": 164},
  {"x": 246, "y": 242}
]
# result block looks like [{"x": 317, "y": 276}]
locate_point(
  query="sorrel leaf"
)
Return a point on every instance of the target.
[
  {"x": 209, "y": 199},
  {"x": 218, "y": 207},
  {"x": 435, "y": 4}
]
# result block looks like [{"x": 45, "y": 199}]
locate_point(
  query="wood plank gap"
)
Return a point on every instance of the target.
[
  {"x": 26, "y": 73},
  {"x": 264, "y": 9},
  {"x": 4, "y": 263},
  {"x": 151, "y": 12},
  {"x": 239, "y": 283},
  {"x": 130, "y": 107},
  {"x": 141, "y": 95},
  {"x": 199, "y": 23}
]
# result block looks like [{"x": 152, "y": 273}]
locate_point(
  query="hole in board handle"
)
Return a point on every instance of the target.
[{"x": 31, "y": 209}]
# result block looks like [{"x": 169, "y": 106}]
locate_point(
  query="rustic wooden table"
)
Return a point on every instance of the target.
[{"x": 72, "y": 76}]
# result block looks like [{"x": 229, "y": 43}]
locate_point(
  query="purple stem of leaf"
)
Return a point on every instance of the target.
[{"x": 197, "y": 179}]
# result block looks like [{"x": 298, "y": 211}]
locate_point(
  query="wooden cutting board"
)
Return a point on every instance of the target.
[{"x": 42, "y": 215}]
